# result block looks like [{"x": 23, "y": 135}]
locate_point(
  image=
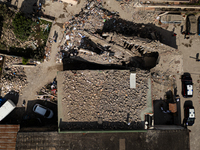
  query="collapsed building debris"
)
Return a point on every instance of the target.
[
  {"x": 101, "y": 36},
  {"x": 48, "y": 49},
  {"x": 49, "y": 91},
  {"x": 13, "y": 78}
]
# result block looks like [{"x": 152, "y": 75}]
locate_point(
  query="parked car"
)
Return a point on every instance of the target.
[
  {"x": 191, "y": 25},
  {"x": 171, "y": 18},
  {"x": 189, "y": 115},
  {"x": 199, "y": 26},
  {"x": 43, "y": 111},
  {"x": 187, "y": 85},
  {"x": 6, "y": 109}
]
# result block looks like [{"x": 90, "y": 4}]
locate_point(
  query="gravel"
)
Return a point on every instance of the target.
[{"x": 90, "y": 95}]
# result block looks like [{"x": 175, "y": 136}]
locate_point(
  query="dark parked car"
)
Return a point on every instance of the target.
[
  {"x": 189, "y": 115},
  {"x": 199, "y": 26},
  {"x": 191, "y": 24},
  {"x": 187, "y": 85}
]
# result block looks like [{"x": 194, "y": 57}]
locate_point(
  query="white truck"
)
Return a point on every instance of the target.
[{"x": 6, "y": 108}]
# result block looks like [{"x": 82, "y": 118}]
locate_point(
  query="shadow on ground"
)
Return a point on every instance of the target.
[
  {"x": 146, "y": 62},
  {"x": 29, "y": 7},
  {"x": 31, "y": 119},
  {"x": 102, "y": 125},
  {"x": 188, "y": 103},
  {"x": 12, "y": 95},
  {"x": 149, "y": 31},
  {"x": 15, "y": 116},
  {"x": 168, "y": 111},
  {"x": 1, "y": 25},
  {"x": 161, "y": 118},
  {"x": 79, "y": 63},
  {"x": 8, "y": 3}
]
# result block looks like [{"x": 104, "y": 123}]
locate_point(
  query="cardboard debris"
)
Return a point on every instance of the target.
[{"x": 173, "y": 107}]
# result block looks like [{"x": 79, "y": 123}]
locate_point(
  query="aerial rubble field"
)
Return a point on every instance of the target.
[
  {"x": 101, "y": 36},
  {"x": 170, "y": 63},
  {"x": 13, "y": 78},
  {"x": 145, "y": 16},
  {"x": 161, "y": 84},
  {"x": 90, "y": 95},
  {"x": 48, "y": 49}
]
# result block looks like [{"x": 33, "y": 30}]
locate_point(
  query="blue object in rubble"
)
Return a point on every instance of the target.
[{"x": 2, "y": 100}]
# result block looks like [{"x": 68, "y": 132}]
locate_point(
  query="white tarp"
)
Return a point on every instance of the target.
[{"x": 74, "y": 2}]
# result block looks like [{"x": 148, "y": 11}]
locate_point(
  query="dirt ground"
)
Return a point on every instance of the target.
[
  {"x": 192, "y": 66},
  {"x": 43, "y": 73},
  {"x": 185, "y": 62}
]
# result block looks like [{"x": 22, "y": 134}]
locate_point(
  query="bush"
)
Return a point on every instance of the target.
[
  {"x": 24, "y": 61},
  {"x": 22, "y": 26}
]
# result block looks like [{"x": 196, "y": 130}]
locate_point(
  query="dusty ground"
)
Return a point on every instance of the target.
[
  {"x": 40, "y": 75},
  {"x": 43, "y": 73},
  {"x": 192, "y": 66},
  {"x": 187, "y": 48}
]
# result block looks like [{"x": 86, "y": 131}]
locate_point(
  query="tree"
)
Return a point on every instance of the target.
[{"x": 22, "y": 26}]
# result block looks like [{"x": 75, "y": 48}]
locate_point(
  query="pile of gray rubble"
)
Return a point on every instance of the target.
[
  {"x": 101, "y": 36},
  {"x": 13, "y": 78},
  {"x": 90, "y": 95}
]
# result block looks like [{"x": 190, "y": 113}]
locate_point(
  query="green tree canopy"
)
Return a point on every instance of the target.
[{"x": 22, "y": 26}]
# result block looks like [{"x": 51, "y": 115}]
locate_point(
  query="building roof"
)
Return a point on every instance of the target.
[
  {"x": 8, "y": 135},
  {"x": 151, "y": 140},
  {"x": 88, "y": 96}
]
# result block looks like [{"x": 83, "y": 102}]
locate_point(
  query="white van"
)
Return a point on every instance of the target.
[{"x": 6, "y": 108}]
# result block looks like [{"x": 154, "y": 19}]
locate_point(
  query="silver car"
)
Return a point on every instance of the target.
[
  {"x": 43, "y": 111},
  {"x": 171, "y": 18},
  {"x": 191, "y": 24}
]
